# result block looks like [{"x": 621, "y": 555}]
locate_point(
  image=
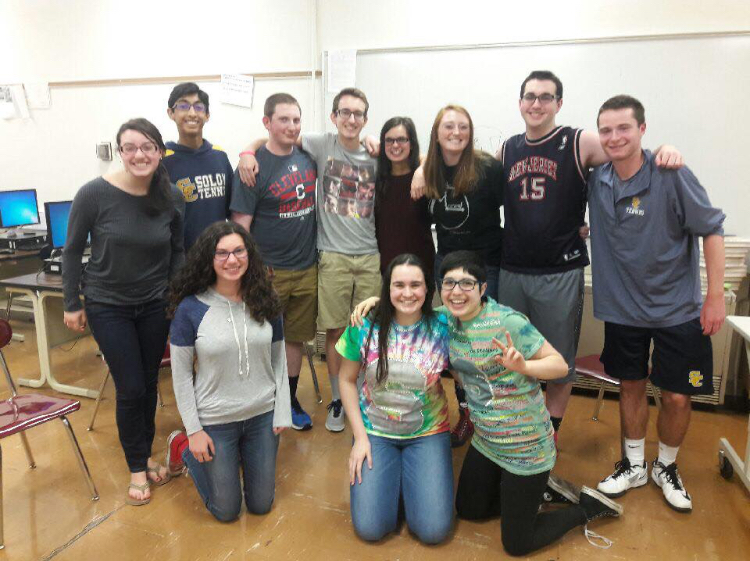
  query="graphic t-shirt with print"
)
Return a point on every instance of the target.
[
  {"x": 411, "y": 402},
  {"x": 346, "y": 195},
  {"x": 511, "y": 423}
]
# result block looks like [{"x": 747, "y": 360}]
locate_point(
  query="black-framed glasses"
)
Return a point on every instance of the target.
[
  {"x": 346, "y": 113},
  {"x": 198, "y": 107},
  {"x": 223, "y": 254},
  {"x": 400, "y": 140},
  {"x": 467, "y": 285},
  {"x": 148, "y": 148},
  {"x": 544, "y": 99}
]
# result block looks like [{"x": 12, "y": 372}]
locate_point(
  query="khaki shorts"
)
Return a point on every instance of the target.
[
  {"x": 298, "y": 293},
  {"x": 344, "y": 281}
]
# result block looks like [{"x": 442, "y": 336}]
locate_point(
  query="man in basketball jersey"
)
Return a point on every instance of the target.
[{"x": 544, "y": 255}]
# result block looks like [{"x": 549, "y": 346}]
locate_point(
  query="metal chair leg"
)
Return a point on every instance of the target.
[
  {"x": 598, "y": 404},
  {"x": 81, "y": 460},
  {"x": 10, "y": 303},
  {"x": 655, "y": 392},
  {"x": 98, "y": 400},
  {"x": 27, "y": 449},
  {"x": 159, "y": 399},
  {"x": 309, "y": 354},
  {"x": 2, "y": 530}
]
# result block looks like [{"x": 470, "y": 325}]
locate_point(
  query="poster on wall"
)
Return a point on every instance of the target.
[
  {"x": 7, "y": 107},
  {"x": 237, "y": 89}
]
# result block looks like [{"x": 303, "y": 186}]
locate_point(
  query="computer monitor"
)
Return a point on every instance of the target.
[
  {"x": 18, "y": 208},
  {"x": 57, "y": 213}
]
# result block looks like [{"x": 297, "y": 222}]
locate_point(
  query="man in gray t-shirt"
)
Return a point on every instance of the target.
[
  {"x": 644, "y": 227},
  {"x": 348, "y": 261},
  {"x": 280, "y": 213}
]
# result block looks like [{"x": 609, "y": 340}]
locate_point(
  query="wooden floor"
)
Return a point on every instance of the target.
[{"x": 49, "y": 514}]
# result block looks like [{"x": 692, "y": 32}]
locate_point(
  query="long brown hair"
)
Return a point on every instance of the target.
[
  {"x": 198, "y": 274},
  {"x": 468, "y": 169}
]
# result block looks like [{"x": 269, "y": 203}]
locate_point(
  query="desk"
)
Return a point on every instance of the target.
[
  {"x": 46, "y": 293},
  {"x": 729, "y": 460}
]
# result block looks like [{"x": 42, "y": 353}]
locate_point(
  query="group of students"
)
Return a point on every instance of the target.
[{"x": 318, "y": 223}]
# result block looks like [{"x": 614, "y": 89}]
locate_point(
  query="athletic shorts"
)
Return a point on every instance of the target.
[
  {"x": 298, "y": 293},
  {"x": 554, "y": 305},
  {"x": 682, "y": 361},
  {"x": 343, "y": 282}
]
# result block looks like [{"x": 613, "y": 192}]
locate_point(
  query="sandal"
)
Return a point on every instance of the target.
[
  {"x": 142, "y": 488},
  {"x": 164, "y": 479}
]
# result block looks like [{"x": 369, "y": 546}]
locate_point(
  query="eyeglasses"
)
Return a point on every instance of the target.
[
  {"x": 467, "y": 285},
  {"x": 544, "y": 99},
  {"x": 185, "y": 106},
  {"x": 223, "y": 255},
  {"x": 147, "y": 148},
  {"x": 346, "y": 113},
  {"x": 399, "y": 140}
]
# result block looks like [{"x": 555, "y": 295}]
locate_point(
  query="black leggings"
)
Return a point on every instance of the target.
[{"x": 485, "y": 490}]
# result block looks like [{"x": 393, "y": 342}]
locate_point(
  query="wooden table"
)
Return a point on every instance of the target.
[
  {"x": 729, "y": 460},
  {"x": 46, "y": 295}
]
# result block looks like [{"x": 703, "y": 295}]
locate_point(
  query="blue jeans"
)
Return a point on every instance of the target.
[
  {"x": 248, "y": 444},
  {"x": 492, "y": 277},
  {"x": 132, "y": 340},
  {"x": 420, "y": 470}
]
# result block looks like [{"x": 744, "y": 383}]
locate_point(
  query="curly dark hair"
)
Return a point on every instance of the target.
[{"x": 198, "y": 273}]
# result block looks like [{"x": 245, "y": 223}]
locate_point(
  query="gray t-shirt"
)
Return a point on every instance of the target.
[
  {"x": 346, "y": 195},
  {"x": 644, "y": 244},
  {"x": 283, "y": 207}
]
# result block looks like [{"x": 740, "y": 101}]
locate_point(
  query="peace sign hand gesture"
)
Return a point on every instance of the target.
[{"x": 511, "y": 358}]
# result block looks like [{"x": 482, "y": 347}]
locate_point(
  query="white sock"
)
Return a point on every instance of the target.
[
  {"x": 334, "y": 387},
  {"x": 667, "y": 454},
  {"x": 635, "y": 451}
]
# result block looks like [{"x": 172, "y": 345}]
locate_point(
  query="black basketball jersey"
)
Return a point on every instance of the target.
[{"x": 545, "y": 203}]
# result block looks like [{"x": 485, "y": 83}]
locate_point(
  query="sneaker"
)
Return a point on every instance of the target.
[
  {"x": 597, "y": 505},
  {"x": 300, "y": 419},
  {"x": 463, "y": 430},
  {"x": 668, "y": 478},
  {"x": 560, "y": 491},
  {"x": 176, "y": 443},
  {"x": 625, "y": 477},
  {"x": 335, "y": 420}
]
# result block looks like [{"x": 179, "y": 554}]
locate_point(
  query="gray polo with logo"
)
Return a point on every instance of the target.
[{"x": 644, "y": 241}]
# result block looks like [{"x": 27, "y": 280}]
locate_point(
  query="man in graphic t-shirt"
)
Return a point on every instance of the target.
[
  {"x": 348, "y": 261},
  {"x": 280, "y": 213}
]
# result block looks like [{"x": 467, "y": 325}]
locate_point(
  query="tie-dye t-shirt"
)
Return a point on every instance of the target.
[
  {"x": 511, "y": 423},
  {"x": 411, "y": 402}
]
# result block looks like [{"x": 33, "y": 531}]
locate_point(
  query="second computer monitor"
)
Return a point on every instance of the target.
[
  {"x": 18, "y": 208},
  {"x": 57, "y": 214}
]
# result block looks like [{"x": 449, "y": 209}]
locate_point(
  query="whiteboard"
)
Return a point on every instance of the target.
[{"x": 696, "y": 91}]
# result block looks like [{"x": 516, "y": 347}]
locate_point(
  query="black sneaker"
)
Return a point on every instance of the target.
[
  {"x": 560, "y": 491},
  {"x": 597, "y": 505}
]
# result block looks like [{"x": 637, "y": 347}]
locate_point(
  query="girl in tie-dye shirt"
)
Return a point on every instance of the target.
[{"x": 399, "y": 417}]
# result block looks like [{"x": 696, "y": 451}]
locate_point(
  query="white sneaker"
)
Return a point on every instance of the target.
[
  {"x": 625, "y": 477},
  {"x": 668, "y": 478},
  {"x": 335, "y": 420}
]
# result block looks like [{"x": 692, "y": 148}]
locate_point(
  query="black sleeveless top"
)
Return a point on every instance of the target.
[{"x": 545, "y": 203}]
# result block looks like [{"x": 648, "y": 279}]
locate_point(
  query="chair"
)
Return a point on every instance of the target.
[
  {"x": 166, "y": 362},
  {"x": 21, "y": 412},
  {"x": 590, "y": 367},
  {"x": 309, "y": 353}
]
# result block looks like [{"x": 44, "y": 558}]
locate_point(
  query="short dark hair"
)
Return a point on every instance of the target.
[
  {"x": 185, "y": 89},
  {"x": 624, "y": 102},
  {"x": 544, "y": 75},
  {"x": 273, "y": 100},
  {"x": 354, "y": 92},
  {"x": 469, "y": 261}
]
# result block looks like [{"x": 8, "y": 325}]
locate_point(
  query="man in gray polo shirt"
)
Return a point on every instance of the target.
[
  {"x": 644, "y": 227},
  {"x": 348, "y": 262}
]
